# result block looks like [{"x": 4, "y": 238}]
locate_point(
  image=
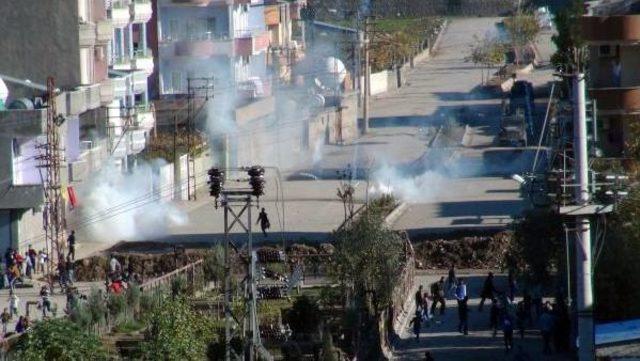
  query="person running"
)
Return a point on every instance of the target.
[
  {"x": 487, "y": 290},
  {"x": 46, "y": 301},
  {"x": 33, "y": 257},
  {"x": 507, "y": 329},
  {"x": 263, "y": 219},
  {"x": 437, "y": 293},
  {"x": 71, "y": 242},
  {"x": 494, "y": 316},
  {"x": 463, "y": 316},
  {"x": 416, "y": 322}
]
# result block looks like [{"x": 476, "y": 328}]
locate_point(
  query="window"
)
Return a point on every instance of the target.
[
  {"x": 211, "y": 26},
  {"x": 173, "y": 30},
  {"x": 608, "y": 51}
]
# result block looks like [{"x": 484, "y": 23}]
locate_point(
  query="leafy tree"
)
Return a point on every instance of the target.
[
  {"x": 176, "y": 332},
  {"x": 366, "y": 260},
  {"x": 328, "y": 351},
  {"x": 571, "y": 54},
  {"x": 522, "y": 29},
  {"x": 304, "y": 316},
  {"x": 538, "y": 245},
  {"x": 616, "y": 263},
  {"x": 59, "y": 340},
  {"x": 487, "y": 52}
]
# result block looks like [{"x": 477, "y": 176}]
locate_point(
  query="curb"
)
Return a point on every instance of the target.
[{"x": 398, "y": 211}]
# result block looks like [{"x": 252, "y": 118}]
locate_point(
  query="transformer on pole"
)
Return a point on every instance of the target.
[{"x": 237, "y": 202}]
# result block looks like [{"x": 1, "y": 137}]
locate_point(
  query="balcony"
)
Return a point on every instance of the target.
[
  {"x": 145, "y": 118},
  {"x": 204, "y": 47},
  {"x": 619, "y": 100},
  {"x": 106, "y": 91},
  {"x": 122, "y": 64},
  {"x": 248, "y": 43},
  {"x": 104, "y": 32},
  {"x": 87, "y": 34},
  {"x": 139, "y": 81},
  {"x": 120, "y": 15},
  {"x": 611, "y": 29},
  {"x": 141, "y": 11},
  {"x": 144, "y": 62},
  {"x": 92, "y": 93}
]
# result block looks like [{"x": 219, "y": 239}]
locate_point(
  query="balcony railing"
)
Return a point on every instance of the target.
[
  {"x": 141, "y": 11},
  {"x": 619, "y": 100},
  {"x": 611, "y": 29}
]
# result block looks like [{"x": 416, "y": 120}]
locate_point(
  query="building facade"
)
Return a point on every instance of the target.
[
  {"x": 101, "y": 84},
  {"x": 612, "y": 33},
  {"x": 223, "y": 39}
]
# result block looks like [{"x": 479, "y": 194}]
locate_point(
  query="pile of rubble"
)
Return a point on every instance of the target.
[
  {"x": 148, "y": 266},
  {"x": 468, "y": 252}
]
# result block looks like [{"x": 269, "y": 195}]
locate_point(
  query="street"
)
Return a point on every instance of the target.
[{"x": 445, "y": 342}]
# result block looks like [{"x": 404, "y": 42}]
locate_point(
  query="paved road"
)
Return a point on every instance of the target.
[
  {"x": 471, "y": 188},
  {"x": 444, "y": 341}
]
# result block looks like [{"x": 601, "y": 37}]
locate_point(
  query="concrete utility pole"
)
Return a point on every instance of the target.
[
  {"x": 367, "y": 76},
  {"x": 584, "y": 292}
]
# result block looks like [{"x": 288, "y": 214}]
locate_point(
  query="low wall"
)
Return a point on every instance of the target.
[
  {"x": 387, "y": 80},
  {"x": 334, "y": 125}
]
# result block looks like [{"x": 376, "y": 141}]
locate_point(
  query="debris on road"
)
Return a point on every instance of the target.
[{"x": 467, "y": 252}]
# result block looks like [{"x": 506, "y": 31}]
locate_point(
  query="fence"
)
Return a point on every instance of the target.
[{"x": 191, "y": 272}]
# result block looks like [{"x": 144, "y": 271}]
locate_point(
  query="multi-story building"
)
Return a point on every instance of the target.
[
  {"x": 130, "y": 64},
  {"x": 612, "y": 32},
  {"x": 93, "y": 49},
  {"x": 224, "y": 39}
]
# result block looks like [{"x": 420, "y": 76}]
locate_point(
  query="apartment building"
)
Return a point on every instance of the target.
[
  {"x": 95, "y": 51},
  {"x": 68, "y": 41},
  {"x": 226, "y": 39},
  {"x": 131, "y": 63},
  {"x": 612, "y": 32}
]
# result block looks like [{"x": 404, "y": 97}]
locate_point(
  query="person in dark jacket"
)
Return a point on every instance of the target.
[
  {"x": 487, "y": 290},
  {"x": 417, "y": 323},
  {"x": 463, "y": 316},
  {"x": 437, "y": 293}
]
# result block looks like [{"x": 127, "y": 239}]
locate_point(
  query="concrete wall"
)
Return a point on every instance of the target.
[
  {"x": 335, "y": 125},
  {"x": 40, "y": 39},
  {"x": 30, "y": 229}
]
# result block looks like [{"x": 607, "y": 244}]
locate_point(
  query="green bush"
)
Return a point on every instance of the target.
[{"x": 59, "y": 340}]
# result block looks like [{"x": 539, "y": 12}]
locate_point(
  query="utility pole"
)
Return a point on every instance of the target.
[
  {"x": 53, "y": 215},
  {"x": 584, "y": 292},
  {"x": 237, "y": 202},
  {"x": 202, "y": 87},
  {"x": 367, "y": 76}
]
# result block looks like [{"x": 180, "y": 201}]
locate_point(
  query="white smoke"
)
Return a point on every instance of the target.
[
  {"x": 116, "y": 206},
  {"x": 423, "y": 188}
]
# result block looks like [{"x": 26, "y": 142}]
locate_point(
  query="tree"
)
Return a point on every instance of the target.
[
  {"x": 538, "y": 247},
  {"x": 488, "y": 52},
  {"x": 59, "y": 340},
  {"x": 304, "y": 316},
  {"x": 571, "y": 55},
  {"x": 616, "y": 264},
  {"x": 176, "y": 332},
  {"x": 366, "y": 260},
  {"x": 522, "y": 30}
]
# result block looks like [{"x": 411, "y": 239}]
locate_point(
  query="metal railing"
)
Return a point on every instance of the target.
[{"x": 190, "y": 271}]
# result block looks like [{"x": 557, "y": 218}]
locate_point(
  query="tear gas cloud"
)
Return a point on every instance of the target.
[{"x": 124, "y": 206}]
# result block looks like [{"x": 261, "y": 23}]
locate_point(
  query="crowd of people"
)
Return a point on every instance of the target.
[{"x": 508, "y": 313}]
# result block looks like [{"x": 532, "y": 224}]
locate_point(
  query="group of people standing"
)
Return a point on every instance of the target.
[{"x": 505, "y": 313}]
